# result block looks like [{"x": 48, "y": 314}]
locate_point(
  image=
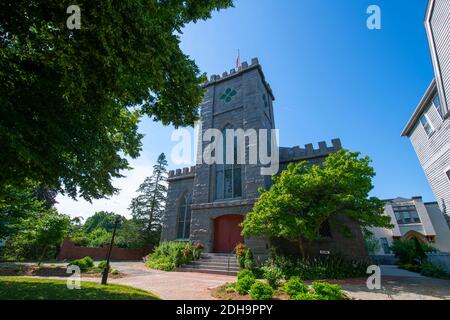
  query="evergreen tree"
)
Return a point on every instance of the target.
[{"x": 148, "y": 206}]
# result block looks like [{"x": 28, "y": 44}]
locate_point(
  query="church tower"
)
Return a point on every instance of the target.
[{"x": 240, "y": 99}]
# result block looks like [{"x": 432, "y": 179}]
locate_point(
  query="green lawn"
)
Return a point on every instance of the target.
[{"x": 23, "y": 288}]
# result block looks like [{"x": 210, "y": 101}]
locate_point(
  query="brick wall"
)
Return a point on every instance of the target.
[{"x": 69, "y": 251}]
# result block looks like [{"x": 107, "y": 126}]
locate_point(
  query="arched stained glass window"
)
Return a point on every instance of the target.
[{"x": 184, "y": 217}]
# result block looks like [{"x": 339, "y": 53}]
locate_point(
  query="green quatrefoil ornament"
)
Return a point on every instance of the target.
[{"x": 228, "y": 95}]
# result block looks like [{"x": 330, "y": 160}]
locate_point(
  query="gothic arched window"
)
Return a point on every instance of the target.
[
  {"x": 228, "y": 176},
  {"x": 184, "y": 217}
]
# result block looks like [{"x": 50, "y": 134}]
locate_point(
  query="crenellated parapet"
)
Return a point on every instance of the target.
[
  {"x": 296, "y": 153},
  {"x": 245, "y": 66},
  {"x": 184, "y": 173}
]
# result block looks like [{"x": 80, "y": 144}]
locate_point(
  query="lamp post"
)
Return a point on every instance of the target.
[{"x": 106, "y": 269}]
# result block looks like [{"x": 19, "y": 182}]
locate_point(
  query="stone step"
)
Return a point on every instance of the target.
[
  {"x": 208, "y": 267},
  {"x": 214, "y": 263},
  {"x": 218, "y": 258},
  {"x": 211, "y": 271}
]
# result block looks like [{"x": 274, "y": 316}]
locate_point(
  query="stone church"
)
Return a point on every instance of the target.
[{"x": 206, "y": 203}]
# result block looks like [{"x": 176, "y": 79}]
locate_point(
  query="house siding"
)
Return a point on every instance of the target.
[
  {"x": 434, "y": 154},
  {"x": 438, "y": 28}
]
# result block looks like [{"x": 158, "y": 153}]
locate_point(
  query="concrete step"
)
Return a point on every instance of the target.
[
  {"x": 203, "y": 267},
  {"x": 208, "y": 267},
  {"x": 211, "y": 271},
  {"x": 221, "y": 258},
  {"x": 214, "y": 263}
]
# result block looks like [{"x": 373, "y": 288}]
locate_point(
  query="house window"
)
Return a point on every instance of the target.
[
  {"x": 426, "y": 124},
  {"x": 228, "y": 176},
  {"x": 385, "y": 246},
  {"x": 406, "y": 214},
  {"x": 184, "y": 217},
  {"x": 437, "y": 104}
]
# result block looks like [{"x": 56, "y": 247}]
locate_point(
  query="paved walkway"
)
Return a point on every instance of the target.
[
  {"x": 170, "y": 285},
  {"x": 399, "y": 284}
]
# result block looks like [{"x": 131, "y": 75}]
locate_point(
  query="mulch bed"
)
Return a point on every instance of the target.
[{"x": 47, "y": 271}]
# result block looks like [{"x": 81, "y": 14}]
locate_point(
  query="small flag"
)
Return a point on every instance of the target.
[{"x": 238, "y": 60}]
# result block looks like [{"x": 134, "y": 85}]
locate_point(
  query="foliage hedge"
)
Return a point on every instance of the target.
[
  {"x": 244, "y": 284},
  {"x": 327, "y": 267},
  {"x": 172, "y": 254},
  {"x": 261, "y": 291},
  {"x": 84, "y": 263}
]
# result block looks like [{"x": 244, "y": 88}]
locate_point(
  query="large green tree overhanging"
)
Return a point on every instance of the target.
[
  {"x": 305, "y": 197},
  {"x": 70, "y": 100}
]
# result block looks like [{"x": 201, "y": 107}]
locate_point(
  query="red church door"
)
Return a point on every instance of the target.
[{"x": 227, "y": 233}]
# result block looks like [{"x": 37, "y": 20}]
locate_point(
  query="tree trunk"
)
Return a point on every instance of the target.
[
  {"x": 304, "y": 246},
  {"x": 44, "y": 251}
]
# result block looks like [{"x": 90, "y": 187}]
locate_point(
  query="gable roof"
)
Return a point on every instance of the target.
[{"x": 423, "y": 104}]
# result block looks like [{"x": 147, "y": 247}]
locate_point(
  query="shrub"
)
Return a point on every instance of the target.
[
  {"x": 273, "y": 275},
  {"x": 249, "y": 262},
  {"x": 435, "y": 271},
  {"x": 197, "y": 250},
  {"x": 261, "y": 291},
  {"x": 171, "y": 254},
  {"x": 306, "y": 296},
  {"x": 295, "y": 286},
  {"x": 102, "y": 264},
  {"x": 245, "y": 273},
  {"x": 163, "y": 263},
  {"x": 410, "y": 267},
  {"x": 258, "y": 273},
  {"x": 241, "y": 262},
  {"x": 230, "y": 288},
  {"x": 327, "y": 267},
  {"x": 240, "y": 250},
  {"x": 410, "y": 251},
  {"x": 84, "y": 264},
  {"x": 328, "y": 291},
  {"x": 244, "y": 284}
]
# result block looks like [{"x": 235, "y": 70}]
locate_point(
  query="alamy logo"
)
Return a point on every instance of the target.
[
  {"x": 74, "y": 20},
  {"x": 374, "y": 20},
  {"x": 374, "y": 280},
  {"x": 229, "y": 146},
  {"x": 74, "y": 281}
]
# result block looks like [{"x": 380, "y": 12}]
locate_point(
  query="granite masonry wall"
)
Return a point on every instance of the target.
[{"x": 251, "y": 107}]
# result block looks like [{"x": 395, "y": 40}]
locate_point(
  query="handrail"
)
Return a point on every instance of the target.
[{"x": 228, "y": 266}]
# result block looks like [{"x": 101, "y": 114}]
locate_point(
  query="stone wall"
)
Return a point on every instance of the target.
[
  {"x": 180, "y": 183},
  {"x": 348, "y": 247}
]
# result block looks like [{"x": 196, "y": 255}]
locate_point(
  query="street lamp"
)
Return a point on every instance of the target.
[{"x": 106, "y": 269}]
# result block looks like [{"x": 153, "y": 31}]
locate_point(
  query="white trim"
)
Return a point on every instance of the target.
[{"x": 434, "y": 58}]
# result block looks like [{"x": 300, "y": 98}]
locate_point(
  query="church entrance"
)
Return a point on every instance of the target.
[{"x": 227, "y": 233}]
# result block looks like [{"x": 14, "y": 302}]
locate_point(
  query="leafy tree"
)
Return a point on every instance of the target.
[
  {"x": 71, "y": 100},
  {"x": 99, "y": 237},
  {"x": 371, "y": 243},
  {"x": 148, "y": 206},
  {"x": 17, "y": 204},
  {"x": 39, "y": 235},
  {"x": 133, "y": 234},
  {"x": 305, "y": 197},
  {"x": 102, "y": 220}
]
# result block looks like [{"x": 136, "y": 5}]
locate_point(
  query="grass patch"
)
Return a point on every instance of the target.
[{"x": 22, "y": 288}]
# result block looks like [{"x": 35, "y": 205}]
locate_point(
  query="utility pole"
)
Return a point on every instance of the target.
[{"x": 106, "y": 269}]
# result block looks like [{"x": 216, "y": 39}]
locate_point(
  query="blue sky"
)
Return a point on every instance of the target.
[{"x": 331, "y": 76}]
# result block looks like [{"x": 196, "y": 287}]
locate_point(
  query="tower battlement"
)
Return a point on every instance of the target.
[
  {"x": 296, "y": 153},
  {"x": 187, "y": 172},
  {"x": 245, "y": 66}
]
